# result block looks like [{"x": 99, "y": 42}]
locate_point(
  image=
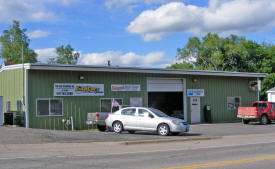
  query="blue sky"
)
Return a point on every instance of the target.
[{"x": 143, "y": 33}]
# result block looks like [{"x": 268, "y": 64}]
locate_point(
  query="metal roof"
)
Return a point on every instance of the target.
[
  {"x": 272, "y": 90},
  {"x": 57, "y": 67}
]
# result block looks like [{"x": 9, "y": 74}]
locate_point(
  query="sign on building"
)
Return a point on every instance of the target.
[
  {"x": 75, "y": 89},
  {"x": 125, "y": 87},
  {"x": 195, "y": 92}
]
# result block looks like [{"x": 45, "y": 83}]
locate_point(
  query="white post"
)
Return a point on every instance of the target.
[{"x": 72, "y": 122}]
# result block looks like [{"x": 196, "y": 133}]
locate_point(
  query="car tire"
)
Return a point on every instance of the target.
[
  {"x": 101, "y": 128},
  {"x": 117, "y": 127},
  {"x": 131, "y": 131},
  {"x": 245, "y": 121},
  {"x": 264, "y": 120},
  {"x": 163, "y": 129}
]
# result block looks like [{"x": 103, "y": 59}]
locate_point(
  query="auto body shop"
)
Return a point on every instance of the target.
[{"x": 48, "y": 94}]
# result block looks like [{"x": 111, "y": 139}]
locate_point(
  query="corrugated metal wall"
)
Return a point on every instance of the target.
[
  {"x": 217, "y": 89},
  {"x": 41, "y": 83},
  {"x": 11, "y": 87}
]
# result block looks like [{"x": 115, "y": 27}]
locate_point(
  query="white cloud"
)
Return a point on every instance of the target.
[
  {"x": 38, "y": 34},
  {"x": 223, "y": 17},
  {"x": 114, "y": 4},
  {"x": 24, "y": 10},
  {"x": 43, "y": 55},
  {"x": 153, "y": 59},
  {"x": 127, "y": 59}
]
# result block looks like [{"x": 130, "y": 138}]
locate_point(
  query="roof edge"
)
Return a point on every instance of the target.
[{"x": 35, "y": 66}]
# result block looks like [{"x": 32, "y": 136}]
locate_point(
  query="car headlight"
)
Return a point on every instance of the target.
[{"x": 176, "y": 122}]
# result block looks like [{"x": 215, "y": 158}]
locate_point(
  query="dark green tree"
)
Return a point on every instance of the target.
[
  {"x": 11, "y": 45},
  {"x": 66, "y": 55},
  {"x": 267, "y": 83}
]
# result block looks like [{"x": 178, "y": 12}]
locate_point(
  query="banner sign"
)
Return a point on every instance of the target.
[
  {"x": 126, "y": 87},
  {"x": 195, "y": 92},
  {"x": 82, "y": 89}
]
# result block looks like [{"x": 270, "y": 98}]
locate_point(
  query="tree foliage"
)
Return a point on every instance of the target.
[
  {"x": 11, "y": 45},
  {"x": 232, "y": 53},
  {"x": 65, "y": 55}
]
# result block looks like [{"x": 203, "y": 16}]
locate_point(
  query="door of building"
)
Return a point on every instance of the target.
[
  {"x": 1, "y": 110},
  {"x": 195, "y": 110}
]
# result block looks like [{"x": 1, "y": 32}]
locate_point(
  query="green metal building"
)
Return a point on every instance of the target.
[{"x": 48, "y": 94}]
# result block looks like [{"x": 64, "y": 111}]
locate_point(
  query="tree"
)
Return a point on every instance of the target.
[
  {"x": 267, "y": 83},
  {"x": 11, "y": 45},
  {"x": 187, "y": 66},
  {"x": 66, "y": 55},
  {"x": 231, "y": 53}
]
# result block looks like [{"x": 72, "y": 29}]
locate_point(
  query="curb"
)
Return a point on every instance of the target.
[{"x": 171, "y": 140}]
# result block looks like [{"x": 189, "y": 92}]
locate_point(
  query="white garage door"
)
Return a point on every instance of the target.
[{"x": 164, "y": 85}]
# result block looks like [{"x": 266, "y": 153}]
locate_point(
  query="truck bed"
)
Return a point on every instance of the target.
[{"x": 247, "y": 112}]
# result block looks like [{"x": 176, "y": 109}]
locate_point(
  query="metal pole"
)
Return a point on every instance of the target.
[{"x": 23, "y": 75}]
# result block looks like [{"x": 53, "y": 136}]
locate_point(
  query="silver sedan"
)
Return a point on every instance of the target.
[{"x": 133, "y": 119}]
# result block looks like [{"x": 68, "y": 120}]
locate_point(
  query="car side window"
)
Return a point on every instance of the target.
[
  {"x": 272, "y": 105},
  {"x": 256, "y": 105},
  {"x": 128, "y": 112},
  {"x": 264, "y": 105},
  {"x": 141, "y": 112}
]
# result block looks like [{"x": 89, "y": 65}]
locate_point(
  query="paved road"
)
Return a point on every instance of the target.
[
  {"x": 240, "y": 152},
  {"x": 10, "y": 135}
]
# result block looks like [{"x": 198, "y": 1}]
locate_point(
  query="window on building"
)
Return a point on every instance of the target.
[
  {"x": 233, "y": 102},
  {"x": 136, "y": 101},
  {"x": 106, "y": 105},
  {"x": 49, "y": 107}
]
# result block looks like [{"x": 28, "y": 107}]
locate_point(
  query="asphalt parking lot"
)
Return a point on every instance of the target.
[{"x": 18, "y": 135}]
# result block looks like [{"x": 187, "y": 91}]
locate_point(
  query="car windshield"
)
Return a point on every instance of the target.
[{"x": 158, "y": 112}]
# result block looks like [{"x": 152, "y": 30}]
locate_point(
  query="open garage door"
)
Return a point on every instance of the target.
[{"x": 167, "y": 96}]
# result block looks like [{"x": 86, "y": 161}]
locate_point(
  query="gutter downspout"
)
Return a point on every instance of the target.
[
  {"x": 27, "y": 98},
  {"x": 258, "y": 91}
]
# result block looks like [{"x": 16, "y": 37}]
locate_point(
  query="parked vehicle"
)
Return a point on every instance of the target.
[
  {"x": 262, "y": 111},
  {"x": 98, "y": 118},
  {"x": 133, "y": 119}
]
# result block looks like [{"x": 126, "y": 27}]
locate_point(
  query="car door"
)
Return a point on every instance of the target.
[
  {"x": 129, "y": 118},
  {"x": 146, "y": 120}
]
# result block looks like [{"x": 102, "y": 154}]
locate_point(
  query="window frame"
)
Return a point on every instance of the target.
[
  {"x": 110, "y": 100},
  {"x": 49, "y": 99},
  {"x": 131, "y": 115},
  {"x": 235, "y": 107}
]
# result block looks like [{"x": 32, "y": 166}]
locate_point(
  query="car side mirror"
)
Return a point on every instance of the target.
[{"x": 150, "y": 115}]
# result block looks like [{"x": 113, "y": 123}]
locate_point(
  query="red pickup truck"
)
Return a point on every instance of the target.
[{"x": 262, "y": 111}]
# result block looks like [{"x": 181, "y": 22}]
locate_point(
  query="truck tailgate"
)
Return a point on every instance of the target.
[{"x": 247, "y": 112}]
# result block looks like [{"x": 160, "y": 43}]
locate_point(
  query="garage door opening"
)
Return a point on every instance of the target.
[{"x": 170, "y": 103}]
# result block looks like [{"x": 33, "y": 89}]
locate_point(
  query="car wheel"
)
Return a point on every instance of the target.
[
  {"x": 101, "y": 128},
  {"x": 264, "y": 119},
  {"x": 245, "y": 121},
  {"x": 163, "y": 129},
  {"x": 117, "y": 127},
  {"x": 131, "y": 132}
]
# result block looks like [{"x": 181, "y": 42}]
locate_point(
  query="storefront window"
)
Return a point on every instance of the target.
[
  {"x": 106, "y": 104},
  {"x": 233, "y": 102},
  {"x": 49, "y": 107}
]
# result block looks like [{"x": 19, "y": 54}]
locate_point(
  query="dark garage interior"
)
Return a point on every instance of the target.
[{"x": 170, "y": 103}]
